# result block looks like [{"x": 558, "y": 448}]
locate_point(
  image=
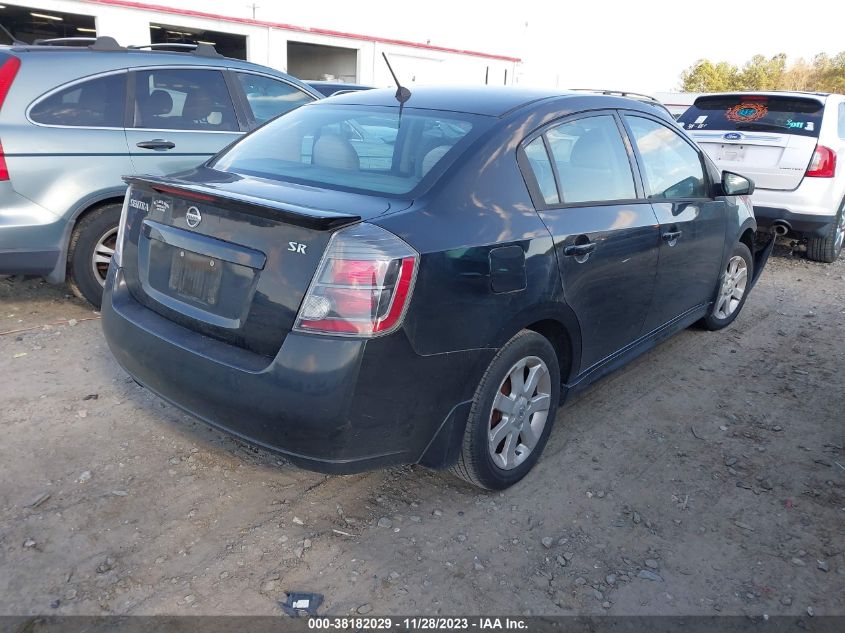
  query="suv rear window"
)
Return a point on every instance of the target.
[
  {"x": 98, "y": 102},
  {"x": 793, "y": 115},
  {"x": 357, "y": 148}
]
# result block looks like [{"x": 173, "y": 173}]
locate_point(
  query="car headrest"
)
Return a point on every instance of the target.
[
  {"x": 198, "y": 106},
  {"x": 160, "y": 102},
  {"x": 431, "y": 158},
  {"x": 590, "y": 151},
  {"x": 331, "y": 150}
]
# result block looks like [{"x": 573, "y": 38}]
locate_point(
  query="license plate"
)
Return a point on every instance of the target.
[
  {"x": 195, "y": 276},
  {"x": 733, "y": 153}
]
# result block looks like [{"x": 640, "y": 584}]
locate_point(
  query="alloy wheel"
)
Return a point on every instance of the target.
[
  {"x": 519, "y": 413},
  {"x": 733, "y": 287},
  {"x": 839, "y": 238},
  {"x": 103, "y": 251}
]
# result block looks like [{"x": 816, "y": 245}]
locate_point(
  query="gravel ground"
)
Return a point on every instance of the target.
[{"x": 705, "y": 478}]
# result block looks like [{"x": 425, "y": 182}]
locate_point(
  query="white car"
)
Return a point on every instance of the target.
[{"x": 789, "y": 144}]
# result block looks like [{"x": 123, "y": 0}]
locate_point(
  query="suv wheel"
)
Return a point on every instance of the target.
[
  {"x": 733, "y": 289},
  {"x": 91, "y": 249},
  {"x": 827, "y": 249},
  {"x": 512, "y": 413}
]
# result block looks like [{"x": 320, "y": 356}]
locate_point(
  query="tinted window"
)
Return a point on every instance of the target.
[
  {"x": 672, "y": 166},
  {"x": 754, "y": 112},
  {"x": 97, "y": 102},
  {"x": 538, "y": 158},
  {"x": 591, "y": 160},
  {"x": 270, "y": 97},
  {"x": 352, "y": 147},
  {"x": 179, "y": 99}
]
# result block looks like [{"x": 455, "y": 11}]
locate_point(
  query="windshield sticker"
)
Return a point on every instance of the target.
[{"x": 746, "y": 112}]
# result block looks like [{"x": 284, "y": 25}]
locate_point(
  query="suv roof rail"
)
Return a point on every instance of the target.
[
  {"x": 639, "y": 96},
  {"x": 200, "y": 49},
  {"x": 101, "y": 43}
]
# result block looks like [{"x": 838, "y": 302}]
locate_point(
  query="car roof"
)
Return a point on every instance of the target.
[{"x": 485, "y": 100}]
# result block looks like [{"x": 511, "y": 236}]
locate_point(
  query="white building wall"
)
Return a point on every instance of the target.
[{"x": 268, "y": 45}]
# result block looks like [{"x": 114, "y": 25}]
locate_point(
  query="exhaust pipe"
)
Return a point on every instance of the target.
[{"x": 781, "y": 228}]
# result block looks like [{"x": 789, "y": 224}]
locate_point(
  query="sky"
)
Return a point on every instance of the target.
[{"x": 615, "y": 44}]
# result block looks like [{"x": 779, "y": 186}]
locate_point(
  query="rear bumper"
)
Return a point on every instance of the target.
[
  {"x": 810, "y": 208},
  {"x": 30, "y": 236},
  {"x": 329, "y": 404},
  {"x": 798, "y": 222}
]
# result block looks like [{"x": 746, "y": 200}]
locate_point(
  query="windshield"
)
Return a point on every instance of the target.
[
  {"x": 356, "y": 148},
  {"x": 793, "y": 115}
]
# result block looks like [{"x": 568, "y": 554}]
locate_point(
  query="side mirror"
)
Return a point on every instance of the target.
[{"x": 736, "y": 185}]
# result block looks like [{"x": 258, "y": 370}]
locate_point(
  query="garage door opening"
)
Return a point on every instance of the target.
[
  {"x": 27, "y": 24},
  {"x": 228, "y": 44},
  {"x": 322, "y": 63}
]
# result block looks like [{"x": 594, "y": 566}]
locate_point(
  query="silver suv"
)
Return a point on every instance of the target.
[{"x": 75, "y": 119}]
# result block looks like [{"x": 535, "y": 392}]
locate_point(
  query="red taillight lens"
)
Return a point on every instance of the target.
[
  {"x": 823, "y": 163},
  {"x": 362, "y": 286},
  {"x": 7, "y": 75},
  {"x": 8, "y": 71}
]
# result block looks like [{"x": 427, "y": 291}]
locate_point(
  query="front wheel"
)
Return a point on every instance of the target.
[
  {"x": 733, "y": 289},
  {"x": 828, "y": 248},
  {"x": 512, "y": 413}
]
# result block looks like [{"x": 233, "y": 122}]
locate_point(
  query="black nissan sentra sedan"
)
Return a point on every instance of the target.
[{"x": 363, "y": 282}]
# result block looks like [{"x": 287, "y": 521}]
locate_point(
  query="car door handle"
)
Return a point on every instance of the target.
[
  {"x": 672, "y": 236},
  {"x": 579, "y": 250},
  {"x": 156, "y": 143}
]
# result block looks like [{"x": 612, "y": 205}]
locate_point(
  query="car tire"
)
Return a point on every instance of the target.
[
  {"x": 828, "y": 248},
  {"x": 733, "y": 289},
  {"x": 89, "y": 253},
  {"x": 520, "y": 435}
]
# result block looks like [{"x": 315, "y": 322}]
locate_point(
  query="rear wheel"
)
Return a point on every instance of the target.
[
  {"x": 733, "y": 289},
  {"x": 827, "y": 249},
  {"x": 91, "y": 249},
  {"x": 512, "y": 413}
]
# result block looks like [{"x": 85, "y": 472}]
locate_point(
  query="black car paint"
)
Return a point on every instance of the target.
[{"x": 344, "y": 405}]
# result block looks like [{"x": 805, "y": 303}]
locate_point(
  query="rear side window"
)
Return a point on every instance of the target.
[
  {"x": 541, "y": 166},
  {"x": 98, "y": 102},
  {"x": 183, "y": 99},
  {"x": 270, "y": 97},
  {"x": 794, "y": 115},
  {"x": 673, "y": 168},
  {"x": 357, "y": 148},
  {"x": 591, "y": 160},
  {"x": 842, "y": 121}
]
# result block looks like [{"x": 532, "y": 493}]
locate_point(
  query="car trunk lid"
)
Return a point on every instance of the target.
[
  {"x": 220, "y": 259},
  {"x": 768, "y": 138}
]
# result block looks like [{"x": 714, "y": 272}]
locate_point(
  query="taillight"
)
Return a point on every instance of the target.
[
  {"x": 362, "y": 286},
  {"x": 8, "y": 70},
  {"x": 823, "y": 163}
]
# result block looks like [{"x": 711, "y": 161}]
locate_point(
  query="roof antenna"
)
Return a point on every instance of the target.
[{"x": 402, "y": 93}]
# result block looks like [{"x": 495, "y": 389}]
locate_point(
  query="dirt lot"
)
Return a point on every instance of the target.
[{"x": 707, "y": 477}]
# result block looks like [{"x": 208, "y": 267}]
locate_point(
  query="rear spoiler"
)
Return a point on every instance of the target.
[{"x": 307, "y": 217}]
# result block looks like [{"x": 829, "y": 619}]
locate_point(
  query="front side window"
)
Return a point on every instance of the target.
[
  {"x": 183, "y": 99},
  {"x": 359, "y": 148},
  {"x": 591, "y": 160},
  {"x": 270, "y": 97},
  {"x": 541, "y": 166},
  {"x": 673, "y": 168},
  {"x": 98, "y": 102}
]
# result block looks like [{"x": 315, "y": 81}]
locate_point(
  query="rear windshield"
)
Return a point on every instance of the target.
[
  {"x": 793, "y": 115},
  {"x": 356, "y": 148}
]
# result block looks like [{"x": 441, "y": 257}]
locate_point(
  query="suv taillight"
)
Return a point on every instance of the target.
[
  {"x": 8, "y": 70},
  {"x": 823, "y": 163},
  {"x": 362, "y": 286}
]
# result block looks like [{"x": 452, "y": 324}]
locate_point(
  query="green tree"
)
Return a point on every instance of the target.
[
  {"x": 705, "y": 76},
  {"x": 824, "y": 74}
]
